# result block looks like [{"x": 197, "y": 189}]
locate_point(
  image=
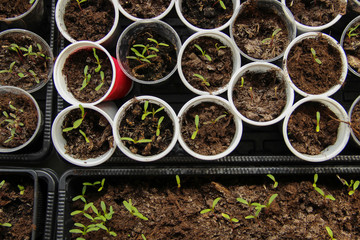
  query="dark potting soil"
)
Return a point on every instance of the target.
[
  {"x": 307, "y": 74},
  {"x": 20, "y": 121},
  {"x": 161, "y": 62},
  {"x": 145, "y": 8},
  {"x": 216, "y": 128},
  {"x": 351, "y": 46},
  {"x": 265, "y": 100},
  {"x": 16, "y": 209},
  {"x": 355, "y": 120},
  {"x": 13, "y": 8},
  {"x": 91, "y": 21},
  {"x": 253, "y": 30},
  {"x": 298, "y": 212},
  {"x": 134, "y": 127},
  {"x": 207, "y": 14},
  {"x": 217, "y": 72},
  {"x": 302, "y": 128},
  {"x": 23, "y": 65},
  {"x": 316, "y": 13},
  {"x": 74, "y": 71},
  {"x": 97, "y": 129}
]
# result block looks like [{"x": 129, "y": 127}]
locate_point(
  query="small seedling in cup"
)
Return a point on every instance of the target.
[
  {"x": 158, "y": 125},
  {"x": 313, "y": 52},
  {"x": 79, "y": 2},
  {"x": 351, "y": 30},
  {"x": 21, "y": 189},
  {"x": 143, "y": 140},
  {"x": 193, "y": 136},
  {"x": 215, "y": 120},
  {"x": 77, "y": 124},
  {"x": 219, "y": 47},
  {"x": 317, "y": 121},
  {"x": 203, "y": 53},
  {"x": 222, "y": 4},
  {"x": 204, "y": 80},
  {"x": 177, "y": 177},
  {"x": 212, "y": 209},
  {"x": 157, "y": 43},
  {"x": 87, "y": 77},
  {"x": 270, "y": 40},
  {"x": 140, "y": 56}
]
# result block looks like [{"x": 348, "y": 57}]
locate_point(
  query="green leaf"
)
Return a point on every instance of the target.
[
  {"x": 215, "y": 202},
  {"x": 2, "y": 183},
  {"x": 320, "y": 191},
  {"x": 276, "y": 31},
  {"x": 208, "y": 57},
  {"x": 144, "y": 141},
  {"x": 222, "y": 5},
  {"x": 330, "y": 197},
  {"x": 318, "y": 61},
  {"x": 329, "y": 231},
  {"x": 77, "y": 123},
  {"x": 112, "y": 233},
  {"x": 315, "y": 179},
  {"x": 21, "y": 75},
  {"x": 225, "y": 216},
  {"x": 177, "y": 177},
  {"x": 75, "y": 212},
  {"x": 272, "y": 198},
  {"x": 356, "y": 185},
  {"x": 84, "y": 135},
  {"x": 250, "y": 217},
  {"x": 243, "y": 201},
  {"x": 79, "y": 225},
  {"x": 205, "y": 211},
  {"x": 88, "y": 216},
  {"x": 75, "y": 231},
  {"x": 234, "y": 220}
]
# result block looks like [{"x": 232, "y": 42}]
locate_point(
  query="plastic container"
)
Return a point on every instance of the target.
[
  {"x": 120, "y": 85},
  {"x": 260, "y": 67},
  {"x": 356, "y": 101},
  {"x": 220, "y": 37}
]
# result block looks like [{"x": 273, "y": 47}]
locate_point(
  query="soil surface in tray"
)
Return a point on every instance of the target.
[
  {"x": 97, "y": 129},
  {"x": 91, "y": 21},
  {"x": 316, "y": 13},
  {"x": 216, "y": 69},
  {"x": 351, "y": 46},
  {"x": 16, "y": 209},
  {"x": 18, "y": 120},
  {"x": 145, "y": 8},
  {"x": 135, "y": 127},
  {"x": 207, "y": 14},
  {"x": 253, "y": 30},
  {"x": 355, "y": 120},
  {"x": 216, "y": 128},
  {"x": 154, "y": 64},
  {"x": 22, "y": 63},
  {"x": 13, "y": 8},
  {"x": 74, "y": 68},
  {"x": 298, "y": 212},
  {"x": 261, "y": 97},
  {"x": 307, "y": 73},
  {"x": 302, "y": 128}
]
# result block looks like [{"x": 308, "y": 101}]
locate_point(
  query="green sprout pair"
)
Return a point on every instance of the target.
[
  {"x": 146, "y": 112},
  {"x": 133, "y": 210},
  {"x": 79, "y": 2},
  {"x": 351, "y": 30},
  {"x": 203, "y": 79},
  {"x": 13, "y": 122},
  {"x": 197, "y": 122},
  {"x": 77, "y": 123},
  {"x": 352, "y": 186},
  {"x": 87, "y": 76},
  {"x": 203, "y": 53},
  {"x": 313, "y": 52},
  {"x": 319, "y": 190},
  {"x": 145, "y": 55},
  {"x": 270, "y": 40},
  {"x": 258, "y": 206}
]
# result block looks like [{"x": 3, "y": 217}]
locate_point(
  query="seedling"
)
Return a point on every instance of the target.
[
  {"x": 204, "y": 80},
  {"x": 317, "y": 121},
  {"x": 143, "y": 236},
  {"x": 226, "y": 216},
  {"x": 10, "y": 70},
  {"x": 86, "y": 207},
  {"x": 140, "y": 56},
  {"x": 157, "y": 43},
  {"x": 34, "y": 75},
  {"x": 85, "y": 229},
  {"x": 153, "y": 112},
  {"x": 143, "y": 140},
  {"x": 178, "y": 181},
  {"x": 242, "y": 82},
  {"x": 101, "y": 183},
  {"x": 276, "y": 88},
  {"x": 273, "y": 178},
  {"x": 82, "y": 196},
  {"x": 352, "y": 186},
  {"x": 106, "y": 216},
  {"x": 219, "y": 47},
  {"x": 313, "y": 52},
  {"x": 102, "y": 226},
  {"x": 21, "y": 189},
  {"x": 243, "y": 201},
  {"x": 156, "y": 111},
  {"x": 193, "y": 136},
  {"x": 203, "y": 52},
  {"x": 251, "y": 93},
  {"x": 87, "y": 78},
  {"x": 351, "y": 30},
  {"x": 212, "y": 209},
  {"x": 13, "y": 122},
  {"x": 2, "y": 183},
  {"x": 222, "y": 4},
  {"x": 78, "y": 122},
  {"x": 31, "y": 1},
  {"x": 79, "y": 2},
  {"x": 98, "y": 68},
  {"x": 215, "y": 120},
  {"x": 5, "y": 224},
  {"x": 14, "y": 47},
  {"x": 133, "y": 210},
  {"x": 330, "y": 233},
  {"x": 158, "y": 126},
  {"x": 319, "y": 190},
  {"x": 259, "y": 207},
  {"x": 102, "y": 81},
  {"x": 316, "y": 177},
  {"x": 270, "y": 40}
]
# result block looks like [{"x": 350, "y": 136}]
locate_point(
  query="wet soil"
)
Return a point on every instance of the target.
[
  {"x": 355, "y": 120},
  {"x": 145, "y": 8},
  {"x": 298, "y": 212},
  {"x": 91, "y": 21},
  {"x": 161, "y": 62},
  {"x": 253, "y": 30},
  {"x": 307, "y": 74},
  {"x": 207, "y": 14},
  {"x": 74, "y": 72},
  {"x": 13, "y": 8},
  {"x": 265, "y": 100},
  {"x": 28, "y": 69},
  {"x": 21, "y": 116},
  {"x": 16, "y": 209},
  {"x": 351, "y": 46},
  {"x": 98, "y": 132},
  {"x": 216, "y": 128},
  {"x": 302, "y": 128},
  {"x": 316, "y": 13},
  {"x": 217, "y": 72},
  {"x": 136, "y": 128}
]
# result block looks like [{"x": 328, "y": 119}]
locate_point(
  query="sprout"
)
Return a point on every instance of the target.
[
  {"x": 78, "y": 122},
  {"x": 136, "y": 141},
  {"x": 5, "y": 224},
  {"x": 10, "y": 70},
  {"x": 330, "y": 233},
  {"x": 157, "y": 43},
  {"x": 313, "y": 52},
  {"x": 158, "y": 126},
  {"x": 140, "y": 56},
  {"x": 226, "y": 216},
  {"x": 203, "y": 52},
  {"x": 178, "y": 181},
  {"x": 351, "y": 30},
  {"x": 2, "y": 183},
  {"x": 352, "y": 186},
  {"x": 242, "y": 82},
  {"x": 204, "y": 80},
  {"x": 87, "y": 78},
  {"x": 212, "y": 209},
  {"x": 320, "y": 191},
  {"x": 97, "y": 61},
  {"x": 317, "y": 121},
  {"x": 273, "y": 178},
  {"x": 193, "y": 136},
  {"x": 219, "y": 47},
  {"x": 215, "y": 120},
  {"x": 270, "y": 40},
  {"x": 222, "y": 4},
  {"x": 79, "y": 3},
  {"x": 21, "y": 189},
  {"x": 133, "y": 210}
]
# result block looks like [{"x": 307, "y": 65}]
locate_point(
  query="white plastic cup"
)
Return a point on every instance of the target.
[
  {"x": 342, "y": 136},
  {"x": 260, "y": 67},
  {"x": 121, "y": 114},
  {"x": 46, "y": 49},
  {"x": 107, "y": 109},
  {"x": 120, "y": 84},
  {"x": 301, "y": 28},
  {"x": 218, "y": 36},
  {"x": 40, "y": 122},
  {"x": 283, "y": 12},
  {"x": 178, "y": 7},
  {"x": 356, "y": 101},
  {"x": 333, "y": 43},
  {"x": 122, "y": 47},
  {"x": 108, "y": 40},
  {"x": 133, "y": 18},
  {"x": 222, "y": 102}
]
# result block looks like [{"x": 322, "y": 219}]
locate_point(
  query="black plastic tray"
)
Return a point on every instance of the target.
[
  {"x": 258, "y": 146},
  {"x": 39, "y": 149}
]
